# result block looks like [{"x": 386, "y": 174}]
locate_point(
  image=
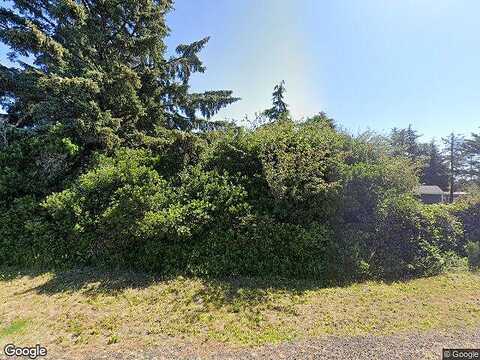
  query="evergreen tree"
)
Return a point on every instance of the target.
[
  {"x": 472, "y": 149},
  {"x": 322, "y": 117},
  {"x": 473, "y": 144},
  {"x": 432, "y": 165},
  {"x": 99, "y": 66},
  {"x": 472, "y": 168},
  {"x": 455, "y": 155},
  {"x": 435, "y": 171},
  {"x": 279, "y": 108},
  {"x": 404, "y": 142}
]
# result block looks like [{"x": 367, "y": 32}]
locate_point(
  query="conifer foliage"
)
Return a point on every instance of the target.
[
  {"x": 100, "y": 67},
  {"x": 279, "y": 108}
]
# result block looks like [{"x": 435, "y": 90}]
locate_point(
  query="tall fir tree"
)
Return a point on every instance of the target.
[
  {"x": 435, "y": 170},
  {"x": 473, "y": 144},
  {"x": 472, "y": 149},
  {"x": 100, "y": 67},
  {"x": 279, "y": 108},
  {"x": 404, "y": 142},
  {"x": 455, "y": 155}
]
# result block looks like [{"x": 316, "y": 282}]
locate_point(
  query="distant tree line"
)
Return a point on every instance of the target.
[{"x": 453, "y": 164}]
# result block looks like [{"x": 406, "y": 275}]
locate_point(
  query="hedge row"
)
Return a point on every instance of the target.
[{"x": 291, "y": 200}]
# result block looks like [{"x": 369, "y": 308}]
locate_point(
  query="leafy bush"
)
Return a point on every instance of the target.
[
  {"x": 383, "y": 231},
  {"x": 366, "y": 184},
  {"x": 235, "y": 152},
  {"x": 467, "y": 209},
  {"x": 18, "y": 240},
  {"x": 284, "y": 199},
  {"x": 171, "y": 190},
  {"x": 473, "y": 253},
  {"x": 37, "y": 163},
  {"x": 176, "y": 149},
  {"x": 266, "y": 248},
  {"x": 123, "y": 212},
  {"x": 291, "y": 171},
  {"x": 302, "y": 164},
  {"x": 123, "y": 205},
  {"x": 101, "y": 211},
  {"x": 411, "y": 239}
]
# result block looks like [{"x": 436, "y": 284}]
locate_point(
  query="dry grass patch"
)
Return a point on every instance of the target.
[{"x": 86, "y": 308}]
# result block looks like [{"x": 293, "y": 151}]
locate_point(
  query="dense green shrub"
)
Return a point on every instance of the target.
[
  {"x": 473, "y": 254},
  {"x": 467, "y": 209},
  {"x": 302, "y": 164},
  {"x": 101, "y": 210},
  {"x": 32, "y": 165},
  {"x": 285, "y": 199},
  {"x": 176, "y": 149},
  {"x": 235, "y": 152},
  {"x": 383, "y": 231},
  {"x": 107, "y": 157},
  {"x": 413, "y": 239},
  {"x": 368, "y": 181},
  {"x": 122, "y": 212},
  {"x": 291, "y": 171},
  {"x": 18, "y": 237},
  {"x": 123, "y": 205},
  {"x": 266, "y": 248},
  {"x": 366, "y": 184},
  {"x": 35, "y": 163}
]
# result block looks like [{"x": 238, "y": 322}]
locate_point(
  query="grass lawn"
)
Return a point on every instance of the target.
[{"x": 86, "y": 308}]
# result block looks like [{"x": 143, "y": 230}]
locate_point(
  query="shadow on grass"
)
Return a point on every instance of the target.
[
  {"x": 90, "y": 281},
  {"x": 216, "y": 292}
]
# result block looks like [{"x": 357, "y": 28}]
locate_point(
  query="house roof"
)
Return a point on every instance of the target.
[{"x": 429, "y": 190}]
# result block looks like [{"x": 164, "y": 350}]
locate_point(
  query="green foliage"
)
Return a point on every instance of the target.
[
  {"x": 366, "y": 184},
  {"x": 100, "y": 211},
  {"x": 294, "y": 200},
  {"x": 302, "y": 165},
  {"x": 473, "y": 254},
  {"x": 98, "y": 164},
  {"x": 456, "y": 158},
  {"x": 321, "y": 117},
  {"x": 435, "y": 171},
  {"x": 123, "y": 207},
  {"x": 235, "y": 152},
  {"x": 413, "y": 239},
  {"x": 292, "y": 172},
  {"x": 383, "y": 231},
  {"x": 123, "y": 212},
  {"x": 426, "y": 156},
  {"x": 472, "y": 152},
  {"x": 176, "y": 150},
  {"x": 37, "y": 163},
  {"x": 404, "y": 143},
  {"x": 467, "y": 209},
  {"x": 408, "y": 239},
  {"x": 18, "y": 242},
  {"x": 100, "y": 67},
  {"x": 265, "y": 247},
  {"x": 279, "y": 108}
]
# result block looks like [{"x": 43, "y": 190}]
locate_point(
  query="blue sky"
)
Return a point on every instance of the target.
[{"x": 370, "y": 64}]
